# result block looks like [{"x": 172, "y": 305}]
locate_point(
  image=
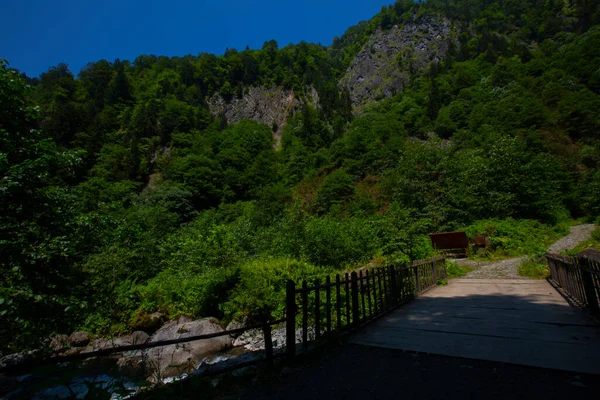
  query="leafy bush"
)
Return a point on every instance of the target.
[
  {"x": 512, "y": 237},
  {"x": 327, "y": 242},
  {"x": 176, "y": 292},
  {"x": 260, "y": 293},
  {"x": 337, "y": 188},
  {"x": 533, "y": 269},
  {"x": 202, "y": 245},
  {"x": 456, "y": 271}
]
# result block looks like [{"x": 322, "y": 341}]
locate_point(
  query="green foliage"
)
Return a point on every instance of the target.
[
  {"x": 37, "y": 242},
  {"x": 512, "y": 237},
  {"x": 260, "y": 294},
  {"x": 456, "y": 271},
  {"x": 338, "y": 243},
  {"x": 123, "y": 195},
  {"x": 337, "y": 188},
  {"x": 533, "y": 269},
  {"x": 182, "y": 291}
]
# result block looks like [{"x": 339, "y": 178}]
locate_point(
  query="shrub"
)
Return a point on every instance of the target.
[
  {"x": 176, "y": 292},
  {"x": 202, "y": 245},
  {"x": 512, "y": 237},
  {"x": 533, "y": 269},
  {"x": 596, "y": 233},
  {"x": 327, "y": 242},
  {"x": 337, "y": 188},
  {"x": 260, "y": 293},
  {"x": 456, "y": 271}
]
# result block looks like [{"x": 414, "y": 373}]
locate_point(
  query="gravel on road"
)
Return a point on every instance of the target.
[
  {"x": 509, "y": 268},
  {"x": 578, "y": 234}
]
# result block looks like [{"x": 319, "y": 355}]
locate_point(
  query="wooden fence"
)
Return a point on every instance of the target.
[
  {"x": 578, "y": 277},
  {"x": 326, "y": 309}
]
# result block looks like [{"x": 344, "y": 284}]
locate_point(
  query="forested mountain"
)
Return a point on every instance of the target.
[{"x": 177, "y": 185}]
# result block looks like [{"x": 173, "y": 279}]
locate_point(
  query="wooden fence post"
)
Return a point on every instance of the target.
[
  {"x": 317, "y": 309},
  {"x": 433, "y": 262},
  {"x": 328, "y": 305},
  {"x": 588, "y": 285},
  {"x": 268, "y": 343},
  {"x": 354, "y": 294},
  {"x": 304, "y": 315},
  {"x": 417, "y": 281},
  {"x": 338, "y": 303},
  {"x": 290, "y": 319},
  {"x": 393, "y": 285}
]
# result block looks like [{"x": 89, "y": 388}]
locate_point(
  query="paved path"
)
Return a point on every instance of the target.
[{"x": 524, "y": 322}]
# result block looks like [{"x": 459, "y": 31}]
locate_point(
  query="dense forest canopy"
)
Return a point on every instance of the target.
[{"x": 123, "y": 195}]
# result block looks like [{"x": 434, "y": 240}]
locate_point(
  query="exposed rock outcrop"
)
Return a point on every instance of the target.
[
  {"x": 271, "y": 106},
  {"x": 383, "y": 67}
]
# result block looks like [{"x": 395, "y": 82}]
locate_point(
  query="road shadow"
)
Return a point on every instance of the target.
[{"x": 537, "y": 325}]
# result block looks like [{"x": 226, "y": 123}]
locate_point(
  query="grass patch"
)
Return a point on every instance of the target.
[
  {"x": 533, "y": 269},
  {"x": 456, "y": 271}
]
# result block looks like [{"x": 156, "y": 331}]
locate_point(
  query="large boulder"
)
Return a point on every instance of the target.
[
  {"x": 237, "y": 324},
  {"x": 79, "y": 339},
  {"x": 176, "y": 359},
  {"x": 59, "y": 343},
  {"x": 130, "y": 363},
  {"x": 149, "y": 322},
  {"x": 137, "y": 337}
]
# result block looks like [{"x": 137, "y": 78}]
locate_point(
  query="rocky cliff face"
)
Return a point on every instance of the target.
[
  {"x": 387, "y": 61},
  {"x": 271, "y": 106},
  {"x": 383, "y": 67}
]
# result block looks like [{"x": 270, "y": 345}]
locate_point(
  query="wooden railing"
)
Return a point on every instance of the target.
[
  {"x": 326, "y": 309},
  {"x": 578, "y": 277}
]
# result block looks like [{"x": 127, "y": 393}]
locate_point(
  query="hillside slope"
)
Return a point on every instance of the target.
[{"x": 141, "y": 187}]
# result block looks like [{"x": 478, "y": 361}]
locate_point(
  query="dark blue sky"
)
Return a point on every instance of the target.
[{"x": 41, "y": 33}]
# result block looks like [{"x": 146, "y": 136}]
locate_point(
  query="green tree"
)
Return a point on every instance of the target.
[
  {"x": 119, "y": 89},
  {"x": 37, "y": 244}
]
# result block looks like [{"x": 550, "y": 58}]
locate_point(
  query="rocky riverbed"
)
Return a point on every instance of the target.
[{"x": 121, "y": 374}]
